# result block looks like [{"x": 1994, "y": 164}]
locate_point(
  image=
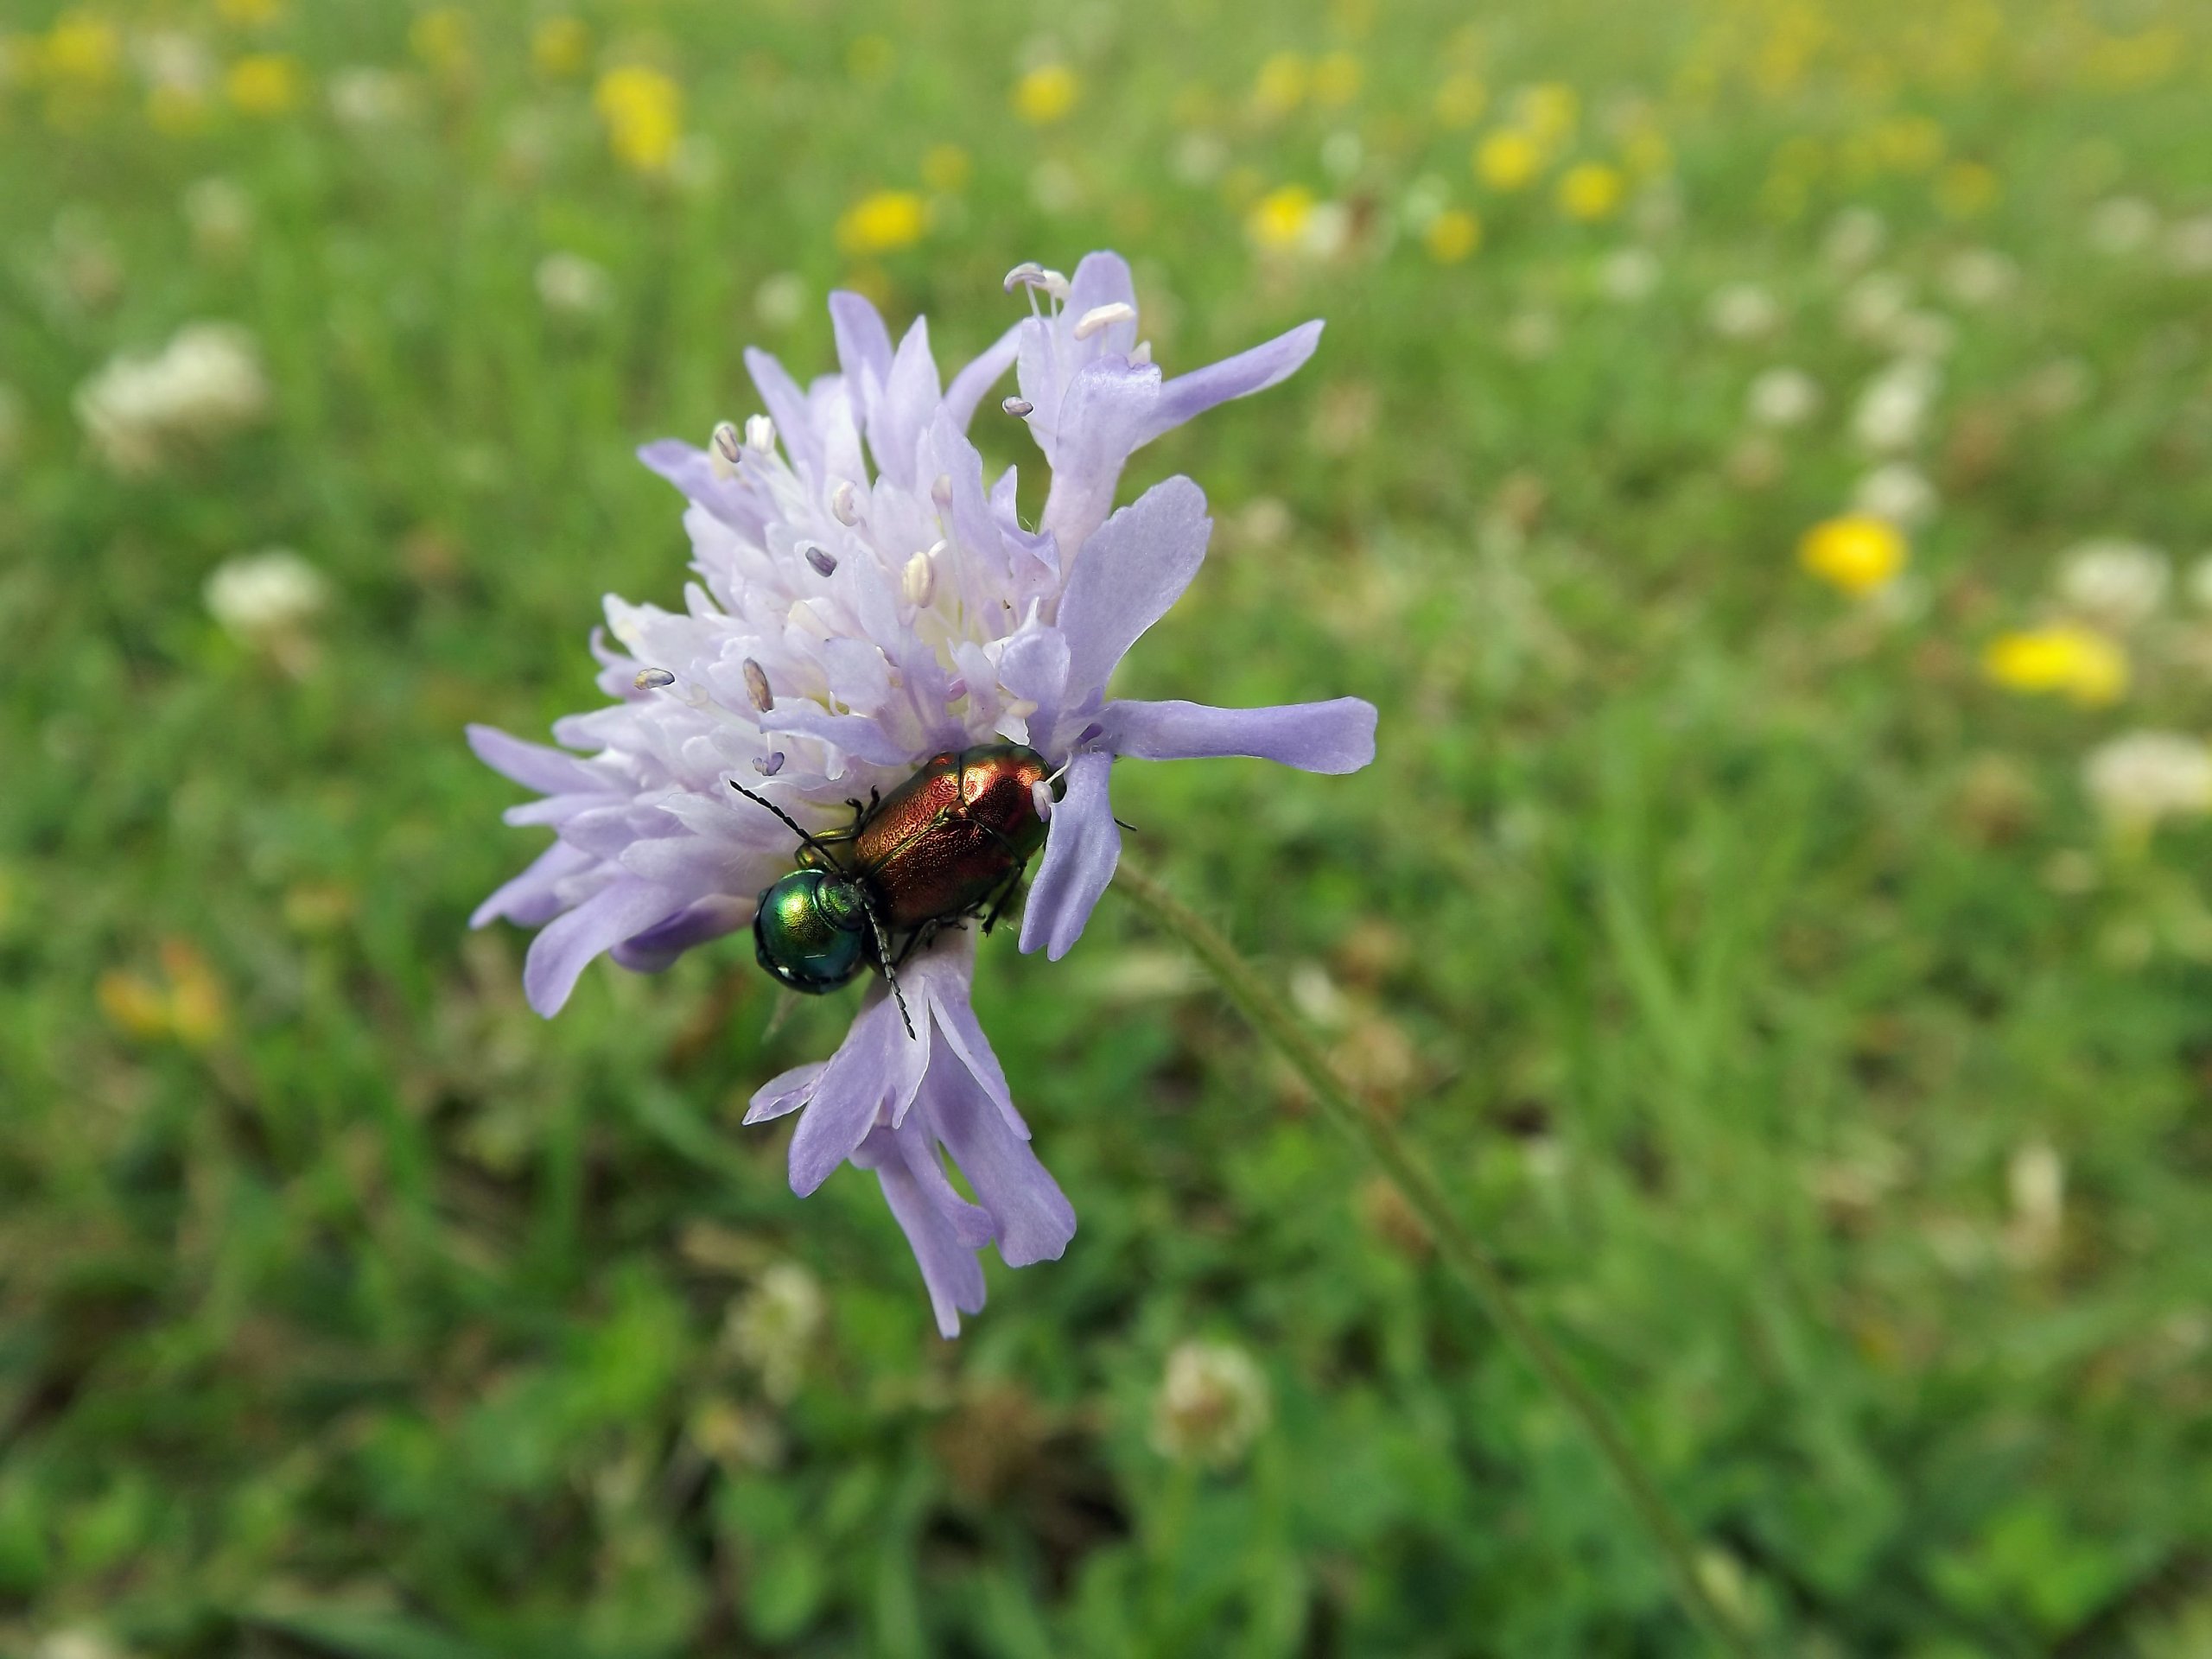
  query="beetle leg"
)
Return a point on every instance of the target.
[{"x": 1011, "y": 885}]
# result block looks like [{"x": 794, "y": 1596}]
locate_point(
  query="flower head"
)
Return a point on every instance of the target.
[
  {"x": 1213, "y": 1402},
  {"x": 1857, "y": 553},
  {"x": 2078, "y": 663},
  {"x": 865, "y": 599},
  {"x": 206, "y": 383},
  {"x": 2140, "y": 778}
]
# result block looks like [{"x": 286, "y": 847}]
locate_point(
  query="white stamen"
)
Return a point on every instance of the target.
[
  {"x": 941, "y": 492},
  {"x": 1103, "y": 316},
  {"x": 825, "y": 564},
  {"x": 759, "y": 433},
  {"x": 722, "y": 452},
  {"x": 756, "y": 686},
  {"x": 654, "y": 679},
  {"x": 845, "y": 504},
  {"x": 1054, "y": 285},
  {"x": 1020, "y": 408},
  {"x": 1028, "y": 273},
  {"x": 769, "y": 764},
  {"x": 803, "y": 617},
  {"x": 1020, "y": 707},
  {"x": 918, "y": 580},
  {"x": 1041, "y": 797},
  {"x": 1142, "y": 355}
]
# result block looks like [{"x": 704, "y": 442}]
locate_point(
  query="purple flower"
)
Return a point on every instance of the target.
[{"x": 865, "y": 600}]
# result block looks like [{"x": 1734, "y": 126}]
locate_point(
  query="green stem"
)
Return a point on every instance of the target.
[{"x": 1476, "y": 1267}]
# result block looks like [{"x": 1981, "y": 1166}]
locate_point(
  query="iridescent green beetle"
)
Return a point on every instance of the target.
[{"x": 950, "y": 843}]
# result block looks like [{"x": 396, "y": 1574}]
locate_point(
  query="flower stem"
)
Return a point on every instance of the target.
[{"x": 1477, "y": 1267}]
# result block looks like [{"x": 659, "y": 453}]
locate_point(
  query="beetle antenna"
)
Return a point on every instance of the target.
[
  {"x": 763, "y": 800},
  {"x": 890, "y": 974}
]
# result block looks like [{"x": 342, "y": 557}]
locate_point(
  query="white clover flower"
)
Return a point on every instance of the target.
[
  {"x": 1629, "y": 274},
  {"x": 2117, "y": 583},
  {"x": 1854, "y": 237},
  {"x": 1980, "y": 276},
  {"x": 780, "y": 301},
  {"x": 1743, "y": 311},
  {"x": 1898, "y": 491},
  {"x": 1922, "y": 334},
  {"x": 263, "y": 599},
  {"x": 205, "y": 383},
  {"x": 1783, "y": 398},
  {"x": 1892, "y": 413},
  {"x": 2122, "y": 224},
  {"x": 220, "y": 214},
  {"x": 1213, "y": 1403},
  {"x": 569, "y": 285},
  {"x": 2140, "y": 778},
  {"x": 369, "y": 99},
  {"x": 1872, "y": 305},
  {"x": 2188, "y": 245},
  {"x": 866, "y": 600},
  {"x": 775, "y": 1326}
]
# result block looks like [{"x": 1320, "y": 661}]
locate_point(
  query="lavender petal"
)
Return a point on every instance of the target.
[
  {"x": 1080, "y": 852},
  {"x": 1335, "y": 737},
  {"x": 1127, "y": 577},
  {"x": 560, "y": 953}
]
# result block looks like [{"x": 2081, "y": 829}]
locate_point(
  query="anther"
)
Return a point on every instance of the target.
[
  {"x": 824, "y": 564},
  {"x": 1020, "y": 408},
  {"x": 722, "y": 451},
  {"x": 1103, "y": 316},
  {"x": 1028, "y": 273},
  {"x": 759, "y": 433},
  {"x": 756, "y": 685},
  {"x": 1041, "y": 797},
  {"x": 1054, "y": 285},
  {"x": 769, "y": 764},
  {"x": 1142, "y": 355},
  {"x": 654, "y": 679},
  {"x": 845, "y": 504},
  {"x": 918, "y": 582},
  {"x": 941, "y": 492}
]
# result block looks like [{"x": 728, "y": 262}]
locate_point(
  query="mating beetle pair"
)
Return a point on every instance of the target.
[{"x": 950, "y": 843}]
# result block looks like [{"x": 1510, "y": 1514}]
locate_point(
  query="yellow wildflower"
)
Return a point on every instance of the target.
[
  {"x": 1460, "y": 100},
  {"x": 560, "y": 47},
  {"x": 1857, "y": 553},
  {"x": 1909, "y": 143},
  {"x": 262, "y": 83},
  {"x": 250, "y": 14},
  {"x": 175, "y": 109},
  {"x": 1280, "y": 219},
  {"x": 947, "y": 168},
  {"x": 1965, "y": 189},
  {"x": 1045, "y": 94},
  {"x": 1548, "y": 111},
  {"x": 81, "y": 49},
  {"x": 439, "y": 38},
  {"x": 1591, "y": 191},
  {"x": 1647, "y": 152},
  {"x": 870, "y": 58},
  {"x": 1508, "y": 159},
  {"x": 187, "y": 1003},
  {"x": 1335, "y": 80},
  {"x": 1281, "y": 85},
  {"x": 882, "y": 223},
  {"x": 644, "y": 112},
  {"x": 2065, "y": 657},
  {"x": 1453, "y": 235}
]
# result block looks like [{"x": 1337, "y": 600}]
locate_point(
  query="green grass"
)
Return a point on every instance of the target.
[{"x": 1734, "y": 953}]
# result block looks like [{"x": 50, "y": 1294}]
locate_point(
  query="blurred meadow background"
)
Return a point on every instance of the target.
[{"x": 1760, "y": 464}]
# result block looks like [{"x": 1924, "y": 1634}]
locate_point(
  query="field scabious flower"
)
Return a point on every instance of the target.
[{"x": 865, "y": 600}]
